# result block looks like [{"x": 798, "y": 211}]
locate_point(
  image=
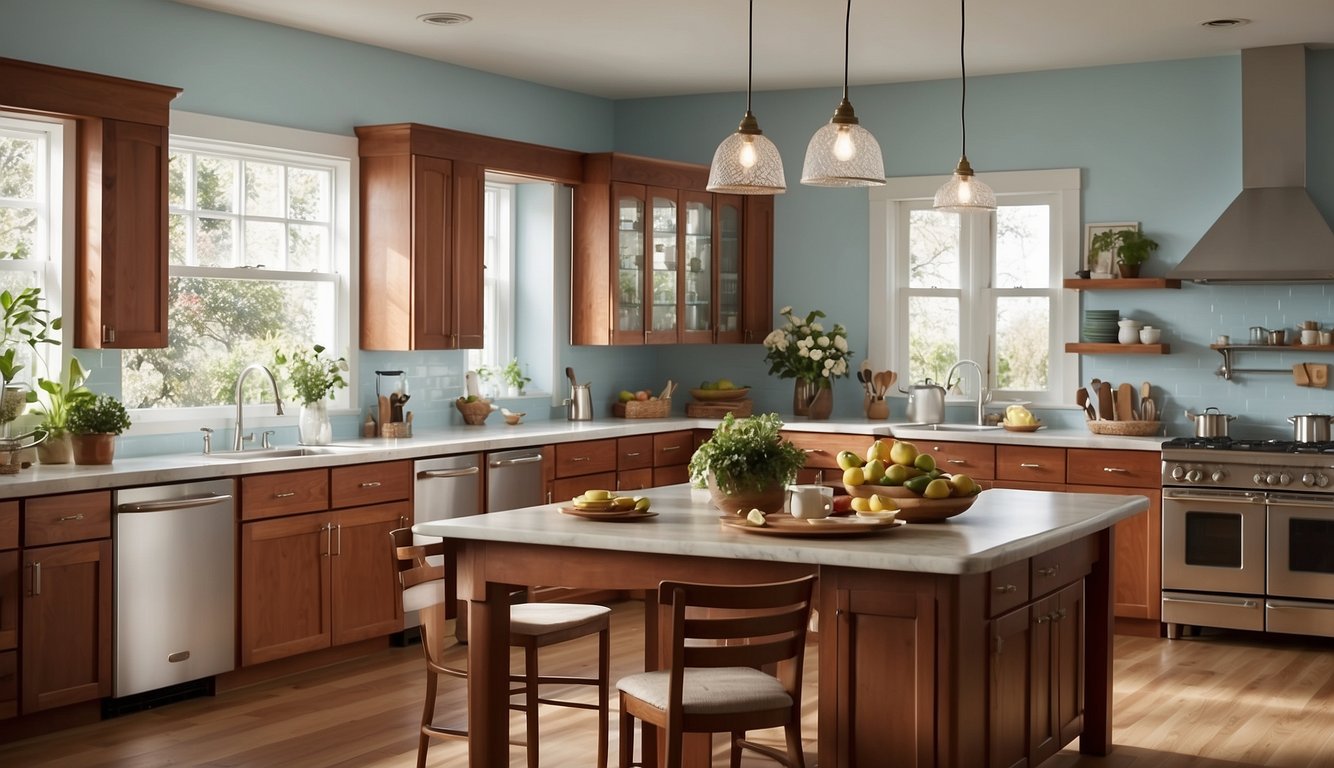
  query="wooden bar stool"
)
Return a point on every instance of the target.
[
  {"x": 532, "y": 626},
  {"x": 715, "y": 687}
]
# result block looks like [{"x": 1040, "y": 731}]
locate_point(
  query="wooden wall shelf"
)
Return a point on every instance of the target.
[
  {"x": 1122, "y": 284},
  {"x": 1118, "y": 349}
]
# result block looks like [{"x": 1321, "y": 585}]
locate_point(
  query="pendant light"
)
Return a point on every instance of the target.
[
  {"x": 747, "y": 162},
  {"x": 964, "y": 193},
  {"x": 842, "y": 153}
]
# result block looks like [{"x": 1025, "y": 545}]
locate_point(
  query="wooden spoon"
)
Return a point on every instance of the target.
[
  {"x": 1125, "y": 403},
  {"x": 1082, "y": 400}
]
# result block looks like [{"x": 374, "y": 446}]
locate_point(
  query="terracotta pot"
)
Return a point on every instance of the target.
[
  {"x": 56, "y": 450},
  {"x": 97, "y": 448},
  {"x": 769, "y": 500},
  {"x": 1128, "y": 270}
]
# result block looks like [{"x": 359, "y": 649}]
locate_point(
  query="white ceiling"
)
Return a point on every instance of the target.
[{"x": 636, "y": 48}]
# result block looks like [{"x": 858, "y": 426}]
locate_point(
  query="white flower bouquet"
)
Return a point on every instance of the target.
[{"x": 803, "y": 349}]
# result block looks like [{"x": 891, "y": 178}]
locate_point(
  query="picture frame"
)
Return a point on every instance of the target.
[{"x": 1103, "y": 265}]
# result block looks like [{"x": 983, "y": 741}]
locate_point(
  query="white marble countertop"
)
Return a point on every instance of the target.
[
  {"x": 1002, "y": 527},
  {"x": 43, "y": 479}
]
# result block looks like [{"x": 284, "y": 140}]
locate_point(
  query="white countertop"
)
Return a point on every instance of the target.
[
  {"x": 1002, "y": 527},
  {"x": 42, "y": 479}
]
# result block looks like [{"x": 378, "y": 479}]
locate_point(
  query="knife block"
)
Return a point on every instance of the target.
[{"x": 392, "y": 428}]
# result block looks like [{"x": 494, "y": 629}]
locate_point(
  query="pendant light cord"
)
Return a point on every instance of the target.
[
  {"x": 750, "y": 53},
  {"x": 847, "y": 39},
  {"x": 963, "y": 81}
]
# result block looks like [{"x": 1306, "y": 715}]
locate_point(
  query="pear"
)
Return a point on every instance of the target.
[{"x": 902, "y": 452}]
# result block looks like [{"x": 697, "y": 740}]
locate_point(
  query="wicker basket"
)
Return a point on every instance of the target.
[
  {"x": 643, "y": 409},
  {"x": 1124, "y": 428},
  {"x": 474, "y": 413}
]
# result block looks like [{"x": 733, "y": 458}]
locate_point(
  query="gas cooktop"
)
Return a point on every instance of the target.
[{"x": 1258, "y": 446}]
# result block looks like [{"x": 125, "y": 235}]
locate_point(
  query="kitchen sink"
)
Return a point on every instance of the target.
[
  {"x": 279, "y": 453},
  {"x": 948, "y": 427}
]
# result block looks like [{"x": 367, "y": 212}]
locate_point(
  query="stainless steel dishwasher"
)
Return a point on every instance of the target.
[
  {"x": 514, "y": 479},
  {"x": 447, "y": 486},
  {"x": 175, "y": 584}
]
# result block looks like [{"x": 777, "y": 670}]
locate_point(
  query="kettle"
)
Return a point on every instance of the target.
[
  {"x": 926, "y": 402},
  {"x": 579, "y": 405}
]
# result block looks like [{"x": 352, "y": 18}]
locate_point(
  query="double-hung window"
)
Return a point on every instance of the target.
[
  {"x": 498, "y": 307},
  {"x": 259, "y": 260},
  {"x": 32, "y": 227},
  {"x": 980, "y": 287}
]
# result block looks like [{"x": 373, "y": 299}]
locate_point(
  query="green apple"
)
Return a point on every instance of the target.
[
  {"x": 925, "y": 462},
  {"x": 625, "y": 396}
]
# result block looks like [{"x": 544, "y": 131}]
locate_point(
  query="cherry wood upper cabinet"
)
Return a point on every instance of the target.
[
  {"x": 422, "y": 205},
  {"x": 120, "y": 288},
  {"x": 658, "y": 260}
]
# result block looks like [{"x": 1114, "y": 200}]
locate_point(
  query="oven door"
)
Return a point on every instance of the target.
[
  {"x": 1214, "y": 541},
  {"x": 1301, "y": 546}
]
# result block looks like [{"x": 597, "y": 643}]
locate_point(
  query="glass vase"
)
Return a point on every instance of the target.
[
  {"x": 813, "y": 399},
  {"x": 313, "y": 427}
]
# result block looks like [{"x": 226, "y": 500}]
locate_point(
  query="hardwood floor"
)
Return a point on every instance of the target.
[{"x": 1223, "y": 700}]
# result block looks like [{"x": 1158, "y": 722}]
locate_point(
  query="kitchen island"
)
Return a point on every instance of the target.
[{"x": 985, "y": 640}]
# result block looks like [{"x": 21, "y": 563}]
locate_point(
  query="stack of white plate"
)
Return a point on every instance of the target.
[{"x": 1099, "y": 326}]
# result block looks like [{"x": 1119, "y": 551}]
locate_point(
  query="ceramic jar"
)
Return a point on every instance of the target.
[
  {"x": 1129, "y": 333},
  {"x": 1150, "y": 335}
]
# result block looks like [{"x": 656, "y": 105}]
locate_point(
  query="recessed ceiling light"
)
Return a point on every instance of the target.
[
  {"x": 1224, "y": 22},
  {"x": 444, "y": 19}
]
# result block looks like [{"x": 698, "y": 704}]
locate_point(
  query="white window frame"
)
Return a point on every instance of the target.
[
  {"x": 196, "y": 132},
  {"x": 55, "y": 200},
  {"x": 1059, "y": 188},
  {"x": 499, "y": 238}
]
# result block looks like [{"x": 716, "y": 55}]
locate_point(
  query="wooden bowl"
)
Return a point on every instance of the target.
[
  {"x": 720, "y": 395},
  {"x": 914, "y": 508}
]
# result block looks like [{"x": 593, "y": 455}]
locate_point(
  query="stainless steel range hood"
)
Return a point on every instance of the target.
[{"x": 1272, "y": 232}]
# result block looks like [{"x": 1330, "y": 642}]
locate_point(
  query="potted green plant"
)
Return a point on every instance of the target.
[
  {"x": 514, "y": 378},
  {"x": 485, "y": 374},
  {"x": 315, "y": 379},
  {"x": 54, "y": 408},
  {"x": 93, "y": 424},
  {"x": 1132, "y": 248},
  {"x": 746, "y": 463},
  {"x": 24, "y": 321}
]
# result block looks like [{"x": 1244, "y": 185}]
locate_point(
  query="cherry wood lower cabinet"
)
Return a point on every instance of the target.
[
  {"x": 935, "y": 670},
  {"x": 66, "y": 644}
]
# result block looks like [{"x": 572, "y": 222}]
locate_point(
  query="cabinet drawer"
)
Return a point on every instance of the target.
[
  {"x": 671, "y": 475},
  {"x": 672, "y": 449},
  {"x": 567, "y": 488},
  {"x": 585, "y": 458},
  {"x": 1030, "y": 464},
  {"x": 822, "y": 450},
  {"x": 634, "y": 479},
  {"x": 977, "y": 460},
  {"x": 634, "y": 452},
  {"x": 1007, "y": 587},
  {"x": 9, "y": 525},
  {"x": 69, "y": 517},
  {"x": 370, "y": 484},
  {"x": 1064, "y": 565},
  {"x": 284, "y": 493},
  {"x": 1140, "y": 469}
]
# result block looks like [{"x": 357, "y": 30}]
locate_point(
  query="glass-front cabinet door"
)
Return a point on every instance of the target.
[
  {"x": 727, "y": 245},
  {"x": 697, "y": 299},
  {"x": 628, "y": 237},
  {"x": 663, "y": 267}
]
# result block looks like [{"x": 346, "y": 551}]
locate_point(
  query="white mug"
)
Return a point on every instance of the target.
[
  {"x": 1310, "y": 337},
  {"x": 810, "y": 502}
]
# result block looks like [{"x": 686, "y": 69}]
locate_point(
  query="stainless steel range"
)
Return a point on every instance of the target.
[{"x": 1248, "y": 535}]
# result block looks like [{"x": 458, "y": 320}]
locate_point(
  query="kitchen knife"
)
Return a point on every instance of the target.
[{"x": 1105, "y": 403}]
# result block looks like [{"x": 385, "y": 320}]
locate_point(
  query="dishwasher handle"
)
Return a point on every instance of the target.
[
  {"x": 180, "y": 502},
  {"x": 431, "y": 474},
  {"x": 496, "y": 463}
]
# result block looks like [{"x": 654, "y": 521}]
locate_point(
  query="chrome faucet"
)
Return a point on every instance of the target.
[
  {"x": 981, "y": 385},
  {"x": 238, "y": 442}
]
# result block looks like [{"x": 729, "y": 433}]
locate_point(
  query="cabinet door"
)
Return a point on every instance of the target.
[
  {"x": 433, "y": 288},
  {"x": 1008, "y": 704},
  {"x": 121, "y": 261},
  {"x": 9, "y": 600},
  {"x": 1057, "y": 661},
  {"x": 634, "y": 452},
  {"x": 757, "y": 275},
  {"x": 671, "y": 449},
  {"x": 663, "y": 270},
  {"x": 727, "y": 287},
  {"x": 673, "y": 475},
  {"x": 695, "y": 302},
  {"x": 365, "y": 576},
  {"x": 1138, "y": 560},
  {"x": 66, "y": 645},
  {"x": 468, "y": 263},
  {"x": 630, "y": 238},
  {"x": 285, "y": 600},
  {"x": 634, "y": 479},
  {"x": 9, "y": 684}
]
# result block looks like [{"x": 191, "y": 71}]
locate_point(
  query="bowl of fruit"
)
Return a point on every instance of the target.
[
  {"x": 896, "y": 476},
  {"x": 1020, "y": 419},
  {"x": 722, "y": 390}
]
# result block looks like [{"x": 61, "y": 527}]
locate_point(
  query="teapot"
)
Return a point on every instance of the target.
[{"x": 926, "y": 402}]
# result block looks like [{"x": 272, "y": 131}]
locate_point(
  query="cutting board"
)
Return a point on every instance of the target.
[{"x": 1105, "y": 403}]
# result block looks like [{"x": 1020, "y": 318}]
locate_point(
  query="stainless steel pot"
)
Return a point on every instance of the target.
[
  {"x": 1310, "y": 427},
  {"x": 926, "y": 403},
  {"x": 1210, "y": 423}
]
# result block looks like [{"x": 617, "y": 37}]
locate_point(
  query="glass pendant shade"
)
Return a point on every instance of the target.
[
  {"x": 747, "y": 163},
  {"x": 964, "y": 193},
  {"x": 843, "y": 154}
]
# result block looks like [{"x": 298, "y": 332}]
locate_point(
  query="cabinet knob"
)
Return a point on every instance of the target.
[
  {"x": 1043, "y": 619},
  {"x": 1049, "y": 571},
  {"x": 108, "y": 334},
  {"x": 1006, "y": 589}
]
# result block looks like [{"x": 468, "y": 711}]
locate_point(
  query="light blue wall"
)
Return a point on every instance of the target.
[{"x": 1158, "y": 143}]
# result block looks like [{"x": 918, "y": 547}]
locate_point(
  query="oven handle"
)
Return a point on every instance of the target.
[
  {"x": 1294, "y": 501},
  {"x": 1280, "y": 604},
  {"x": 1247, "y": 498},
  {"x": 1237, "y": 603}
]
